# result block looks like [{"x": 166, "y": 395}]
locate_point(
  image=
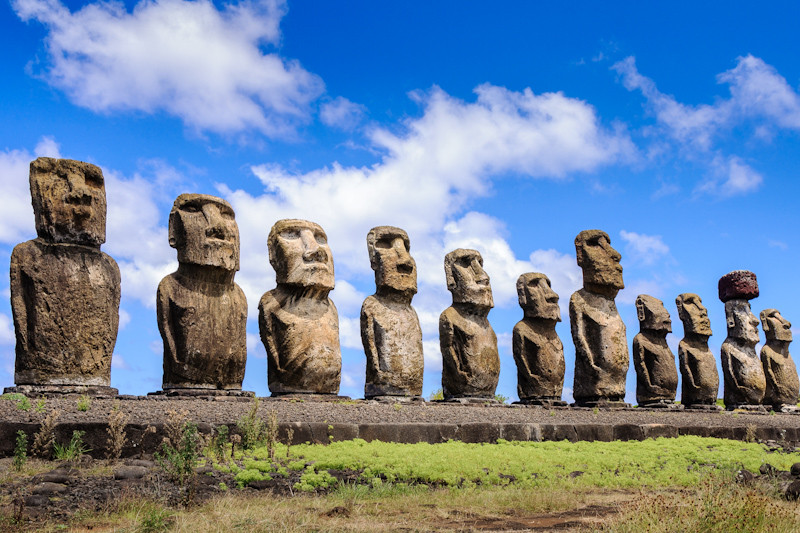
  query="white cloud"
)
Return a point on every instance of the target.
[
  {"x": 7, "y": 337},
  {"x": 119, "y": 363},
  {"x": 341, "y": 113},
  {"x": 124, "y": 318},
  {"x": 646, "y": 249},
  {"x": 186, "y": 58},
  {"x": 731, "y": 177}
]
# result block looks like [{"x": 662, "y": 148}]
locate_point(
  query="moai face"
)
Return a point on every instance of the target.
[
  {"x": 69, "y": 201},
  {"x": 693, "y": 314},
  {"x": 203, "y": 230},
  {"x": 652, "y": 314},
  {"x": 598, "y": 260},
  {"x": 300, "y": 255},
  {"x": 466, "y": 279},
  {"x": 537, "y": 297},
  {"x": 389, "y": 257},
  {"x": 742, "y": 323},
  {"x": 776, "y": 328}
]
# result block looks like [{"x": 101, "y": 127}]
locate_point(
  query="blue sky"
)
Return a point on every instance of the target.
[{"x": 509, "y": 129}]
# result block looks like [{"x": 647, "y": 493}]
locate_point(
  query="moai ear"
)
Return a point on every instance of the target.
[
  {"x": 731, "y": 321},
  {"x": 640, "y": 309}
]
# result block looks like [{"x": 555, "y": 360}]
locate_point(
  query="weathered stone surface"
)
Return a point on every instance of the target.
[
  {"x": 201, "y": 312},
  {"x": 601, "y": 347},
  {"x": 742, "y": 371},
  {"x": 390, "y": 330},
  {"x": 537, "y": 350},
  {"x": 782, "y": 384},
  {"x": 470, "y": 362},
  {"x": 656, "y": 374},
  {"x": 64, "y": 291},
  {"x": 129, "y": 472},
  {"x": 739, "y": 284},
  {"x": 699, "y": 376},
  {"x": 299, "y": 324}
]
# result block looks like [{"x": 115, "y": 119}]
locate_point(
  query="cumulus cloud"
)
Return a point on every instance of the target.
[
  {"x": 341, "y": 113},
  {"x": 731, "y": 176},
  {"x": 646, "y": 249},
  {"x": 186, "y": 58}
]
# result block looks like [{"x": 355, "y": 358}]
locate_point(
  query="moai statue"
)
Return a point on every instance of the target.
[
  {"x": 299, "y": 324},
  {"x": 744, "y": 376},
  {"x": 201, "y": 312},
  {"x": 656, "y": 374},
  {"x": 64, "y": 291},
  {"x": 390, "y": 328},
  {"x": 470, "y": 362},
  {"x": 601, "y": 347},
  {"x": 699, "y": 377},
  {"x": 783, "y": 387},
  {"x": 537, "y": 349}
]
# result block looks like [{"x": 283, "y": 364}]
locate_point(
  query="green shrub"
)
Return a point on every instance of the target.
[
  {"x": 73, "y": 450},
  {"x": 312, "y": 480},
  {"x": 178, "y": 460},
  {"x": 249, "y": 475},
  {"x": 84, "y": 402},
  {"x": 252, "y": 428},
  {"x": 20, "y": 450}
]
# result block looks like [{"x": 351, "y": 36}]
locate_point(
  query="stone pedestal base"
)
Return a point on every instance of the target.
[
  {"x": 746, "y": 407},
  {"x": 190, "y": 394},
  {"x": 396, "y": 399},
  {"x": 602, "y": 404},
  {"x": 786, "y": 408},
  {"x": 308, "y": 397},
  {"x": 661, "y": 404},
  {"x": 469, "y": 400},
  {"x": 50, "y": 391},
  {"x": 543, "y": 402},
  {"x": 702, "y": 407}
]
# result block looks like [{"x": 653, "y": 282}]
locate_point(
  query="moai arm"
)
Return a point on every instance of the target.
[
  {"x": 265, "y": 328},
  {"x": 446, "y": 342},
  {"x": 368, "y": 337},
  {"x": 18, "y": 306},
  {"x": 639, "y": 360},
  {"x": 165, "y": 325},
  {"x": 518, "y": 349},
  {"x": 578, "y": 328},
  {"x": 686, "y": 370},
  {"x": 767, "y": 363},
  {"x": 727, "y": 361}
]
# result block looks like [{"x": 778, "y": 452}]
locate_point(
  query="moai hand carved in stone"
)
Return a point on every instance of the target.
[
  {"x": 601, "y": 347},
  {"x": 699, "y": 377},
  {"x": 538, "y": 351},
  {"x": 656, "y": 374},
  {"x": 390, "y": 329},
  {"x": 64, "y": 291},
  {"x": 783, "y": 387},
  {"x": 202, "y": 313},
  {"x": 743, "y": 374},
  {"x": 470, "y": 362},
  {"x": 299, "y": 324}
]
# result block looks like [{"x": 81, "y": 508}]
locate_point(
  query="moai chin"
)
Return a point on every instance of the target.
[
  {"x": 65, "y": 292},
  {"x": 537, "y": 350},
  {"x": 202, "y": 313},
  {"x": 656, "y": 374},
  {"x": 783, "y": 387},
  {"x": 601, "y": 347},
  {"x": 699, "y": 377},
  {"x": 470, "y": 362},
  {"x": 744, "y": 379},
  {"x": 390, "y": 330},
  {"x": 299, "y": 324}
]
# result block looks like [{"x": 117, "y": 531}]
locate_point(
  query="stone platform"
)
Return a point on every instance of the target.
[{"x": 432, "y": 422}]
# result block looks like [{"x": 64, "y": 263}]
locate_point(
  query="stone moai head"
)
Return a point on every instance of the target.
[
  {"x": 598, "y": 260},
  {"x": 537, "y": 297},
  {"x": 776, "y": 328},
  {"x": 742, "y": 323},
  {"x": 652, "y": 314},
  {"x": 390, "y": 258},
  {"x": 300, "y": 255},
  {"x": 466, "y": 279},
  {"x": 69, "y": 201},
  {"x": 203, "y": 230},
  {"x": 693, "y": 314}
]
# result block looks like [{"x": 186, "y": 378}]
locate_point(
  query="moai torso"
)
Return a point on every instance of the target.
[
  {"x": 656, "y": 374},
  {"x": 299, "y": 324},
  {"x": 390, "y": 330},
  {"x": 538, "y": 352},
  {"x": 699, "y": 377},
  {"x": 65, "y": 292},
  {"x": 202, "y": 313},
  {"x": 470, "y": 361},
  {"x": 782, "y": 384}
]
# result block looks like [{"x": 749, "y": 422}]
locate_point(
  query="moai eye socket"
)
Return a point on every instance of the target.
[
  {"x": 290, "y": 234},
  {"x": 191, "y": 207},
  {"x": 385, "y": 242},
  {"x": 321, "y": 238}
]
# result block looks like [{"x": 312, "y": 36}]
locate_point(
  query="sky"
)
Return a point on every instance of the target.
[{"x": 674, "y": 127}]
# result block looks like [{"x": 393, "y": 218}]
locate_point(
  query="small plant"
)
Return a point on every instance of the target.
[
  {"x": 397, "y": 407},
  {"x": 750, "y": 433},
  {"x": 40, "y": 406},
  {"x": 272, "y": 433},
  {"x": 73, "y": 450},
  {"x": 501, "y": 399},
  {"x": 219, "y": 442},
  {"x": 22, "y": 401},
  {"x": 289, "y": 437},
  {"x": 252, "y": 428},
  {"x": 436, "y": 395},
  {"x": 20, "y": 450},
  {"x": 117, "y": 420},
  {"x": 178, "y": 460},
  {"x": 45, "y": 438},
  {"x": 595, "y": 410},
  {"x": 223, "y": 486},
  {"x": 155, "y": 520},
  {"x": 84, "y": 402}
]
